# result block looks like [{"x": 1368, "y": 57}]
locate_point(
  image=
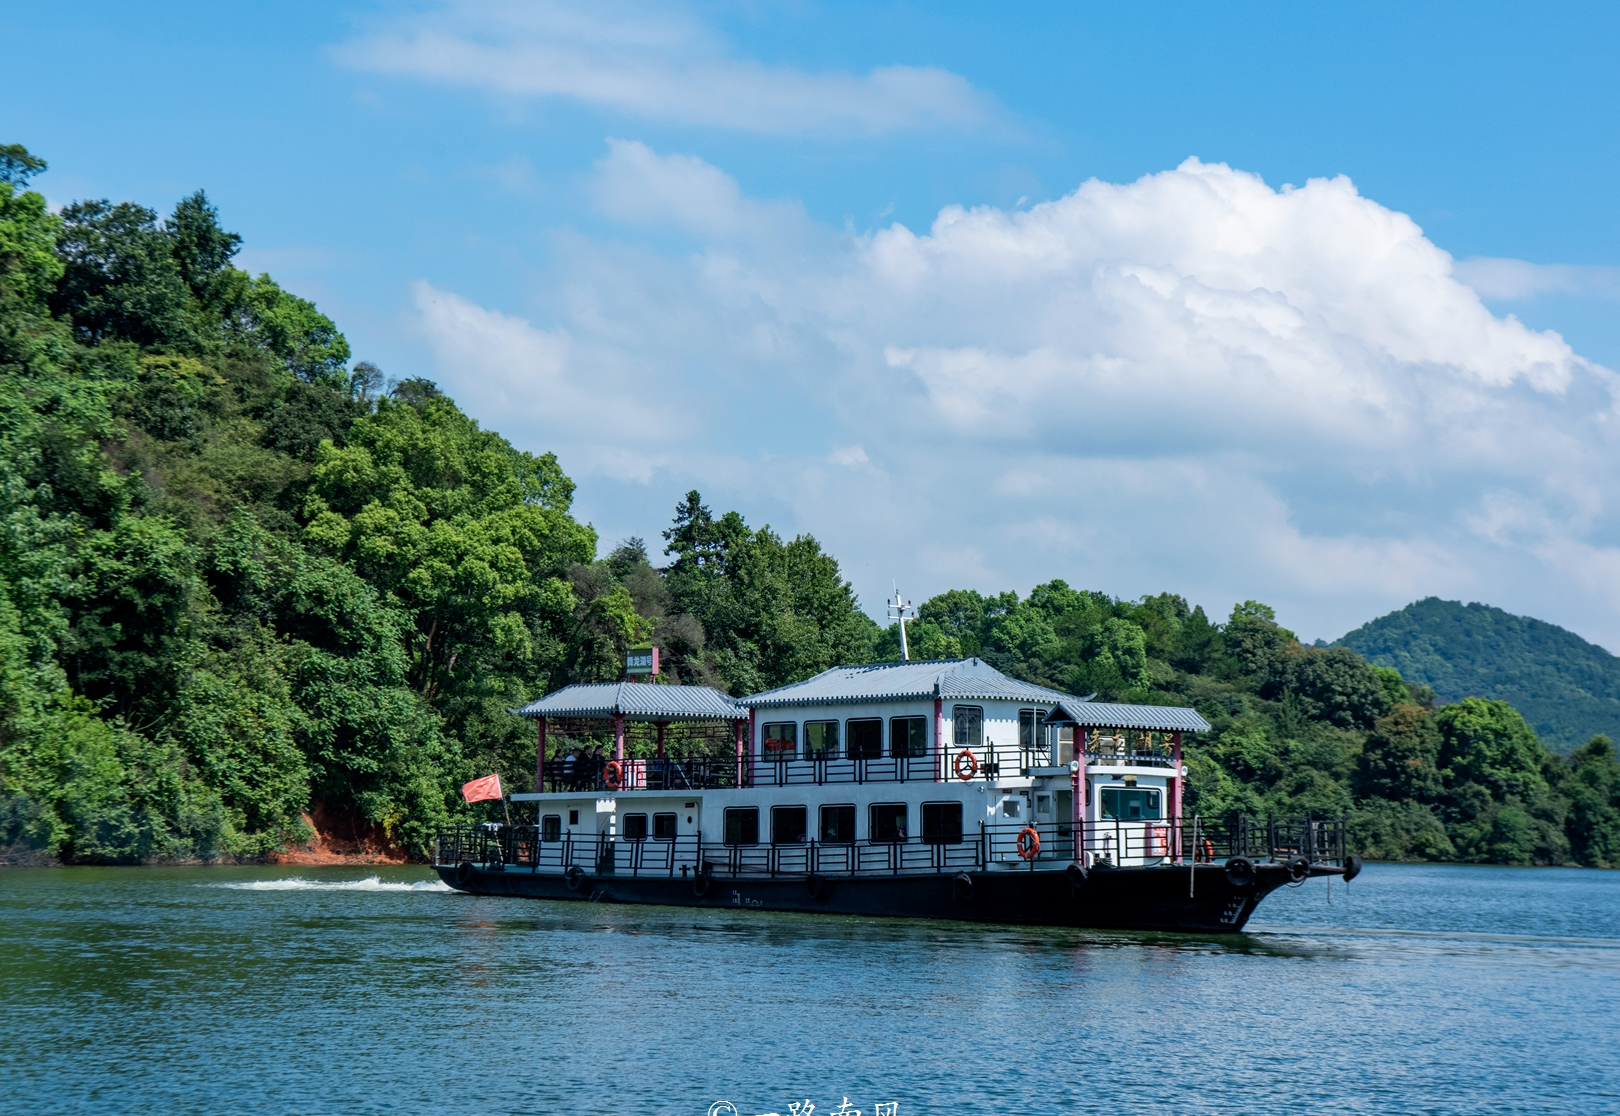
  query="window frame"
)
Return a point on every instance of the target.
[
  {"x": 804, "y": 831},
  {"x": 1119, "y": 790},
  {"x": 740, "y": 812},
  {"x": 624, "y": 827},
  {"x": 830, "y": 753},
  {"x": 551, "y": 827},
  {"x": 958, "y": 737},
  {"x": 821, "y": 823},
  {"x": 779, "y": 754},
  {"x": 674, "y": 826},
  {"x": 849, "y": 737},
  {"x": 902, "y": 834},
  {"x": 942, "y": 837},
  {"x": 894, "y": 737}
]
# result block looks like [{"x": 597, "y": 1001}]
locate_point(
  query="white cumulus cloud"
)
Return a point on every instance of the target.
[{"x": 1193, "y": 382}]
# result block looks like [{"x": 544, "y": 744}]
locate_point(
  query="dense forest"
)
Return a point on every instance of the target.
[
  {"x": 1568, "y": 689},
  {"x": 249, "y": 586}
]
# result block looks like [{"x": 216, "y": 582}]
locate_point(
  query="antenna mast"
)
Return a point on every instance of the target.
[{"x": 902, "y": 611}]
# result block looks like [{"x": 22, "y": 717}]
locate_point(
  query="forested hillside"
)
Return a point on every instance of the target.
[
  {"x": 1567, "y": 688},
  {"x": 248, "y": 584}
]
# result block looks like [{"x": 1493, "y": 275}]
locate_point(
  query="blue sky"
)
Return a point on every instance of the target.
[{"x": 834, "y": 266}]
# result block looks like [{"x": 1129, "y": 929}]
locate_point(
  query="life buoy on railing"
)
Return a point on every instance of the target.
[
  {"x": 1204, "y": 853},
  {"x": 967, "y": 765},
  {"x": 613, "y": 774},
  {"x": 1029, "y": 843}
]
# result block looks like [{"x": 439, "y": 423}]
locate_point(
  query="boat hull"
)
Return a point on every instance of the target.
[{"x": 1149, "y": 898}]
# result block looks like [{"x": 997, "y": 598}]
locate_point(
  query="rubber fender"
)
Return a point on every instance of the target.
[
  {"x": 815, "y": 885},
  {"x": 962, "y": 885},
  {"x": 464, "y": 874},
  {"x": 700, "y": 885},
  {"x": 1352, "y": 867},
  {"x": 574, "y": 877},
  {"x": 1078, "y": 875},
  {"x": 1298, "y": 868},
  {"x": 1240, "y": 871}
]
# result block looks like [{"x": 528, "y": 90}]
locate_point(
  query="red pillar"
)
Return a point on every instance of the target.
[
  {"x": 618, "y": 737},
  {"x": 1175, "y": 784},
  {"x": 1077, "y": 823},
  {"x": 540, "y": 757},
  {"x": 662, "y": 725},
  {"x": 939, "y": 740},
  {"x": 753, "y": 743},
  {"x": 739, "y": 723}
]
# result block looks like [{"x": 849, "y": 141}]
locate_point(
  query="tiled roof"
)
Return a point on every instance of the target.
[
  {"x": 638, "y": 701},
  {"x": 961, "y": 679},
  {"x": 1102, "y": 714}
]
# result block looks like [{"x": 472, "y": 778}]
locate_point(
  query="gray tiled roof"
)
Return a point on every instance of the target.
[
  {"x": 1102, "y": 714},
  {"x": 961, "y": 679},
  {"x": 638, "y": 701}
]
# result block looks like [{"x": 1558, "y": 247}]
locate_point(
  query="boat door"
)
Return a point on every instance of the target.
[{"x": 1127, "y": 826}]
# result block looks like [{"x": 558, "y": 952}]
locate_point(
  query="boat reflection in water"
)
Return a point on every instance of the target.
[{"x": 940, "y": 789}]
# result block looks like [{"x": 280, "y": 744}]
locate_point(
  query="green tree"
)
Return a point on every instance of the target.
[{"x": 1400, "y": 759}]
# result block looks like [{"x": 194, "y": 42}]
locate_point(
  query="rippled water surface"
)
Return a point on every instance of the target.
[{"x": 219, "y": 990}]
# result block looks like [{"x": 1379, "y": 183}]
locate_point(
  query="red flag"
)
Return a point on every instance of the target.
[{"x": 482, "y": 790}]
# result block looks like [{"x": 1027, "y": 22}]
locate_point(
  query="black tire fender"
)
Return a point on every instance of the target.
[
  {"x": 962, "y": 885},
  {"x": 700, "y": 885},
  {"x": 815, "y": 885},
  {"x": 1078, "y": 875},
  {"x": 574, "y": 877},
  {"x": 1240, "y": 871},
  {"x": 1298, "y": 868},
  {"x": 464, "y": 874},
  {"x": 1352, "y": 867}
]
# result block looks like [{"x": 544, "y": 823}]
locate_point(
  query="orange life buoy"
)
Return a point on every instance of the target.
[
  {"x": 972, "y": 765},
  {"x": 1029, "y": 843},
  {"x": 613, "y": 774},
  {"x": 1206, "y": 851}
]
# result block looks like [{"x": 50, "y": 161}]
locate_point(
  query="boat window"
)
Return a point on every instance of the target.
[
  {"x": 742, "y": 825},
  {"x": 1129, "y": 803},
  {"x": 789, "y": 825},
  {"x": 573, "y": 817},
  {"x": 821, "y": 739},
  {"x": 838, "y": 824},
  {"x": 635, "y": 827},
  {"x": 664, "y": 827},
  {"x": 1011, "y": 807},
  {"x": 866, "y": 738},
  {"x": 551, "y": 827},
  {"x": 1026, "y": 729},
  {"x": 781, "y": 740},
  {"x": 1043, "y": 805},
  {"x": 888, "y": 822},
  {"x": 908, "y": 736},
  {"x": 967, "y": 724},
  {"x": 942, "y": 823}
]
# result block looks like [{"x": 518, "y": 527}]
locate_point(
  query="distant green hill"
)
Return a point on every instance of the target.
[{"x": 1568, "y": 689}]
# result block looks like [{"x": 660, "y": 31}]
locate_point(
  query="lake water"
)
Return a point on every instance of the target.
[{"x": 227, "y": 990}]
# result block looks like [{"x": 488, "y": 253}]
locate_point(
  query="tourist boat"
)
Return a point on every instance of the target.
[{"x": 940, "y": 789}]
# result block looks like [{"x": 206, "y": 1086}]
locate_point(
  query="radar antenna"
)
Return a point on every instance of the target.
[{"x": 902, "y": 611}]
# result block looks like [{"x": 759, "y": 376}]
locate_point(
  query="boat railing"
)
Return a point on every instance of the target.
[{"x": 1114, "y": 842}]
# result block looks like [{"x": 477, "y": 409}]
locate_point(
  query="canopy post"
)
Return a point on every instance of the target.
[
  {"x": 1077, "y": 796},
  {"x": 662, "y": 725},
  {"x": 618, "y": 737},
  {"x": 1175, "y": 782},
  {"x": 939, "y": 740},
  {"x": 540, "y": 756}
]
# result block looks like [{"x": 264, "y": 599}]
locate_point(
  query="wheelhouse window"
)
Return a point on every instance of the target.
[
  {"x": 942, "y": 823},
  {"x": 781, "y": 740},
  {"x": 551, "y": 827},
  {"x": 1129, "y": 803},
  {"x": 887, "y": 822},
  {"x": 1028, "y": 729},
  {"x": 664, "y": 827},
  {"x": 635, "y": 827},
  {"x": 789, "y": 825},
  {"x": 742, "y": 825},
  {"x": 821, "y": 740},
  {"x": 838, "y": 825},
  {"x": 866, "y": 738},
  {"x": 908, "y": 736},
  {"x": 967, "y": 726}
]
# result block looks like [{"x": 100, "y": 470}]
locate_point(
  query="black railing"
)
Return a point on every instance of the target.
[{"x": 1115, "y": 842}]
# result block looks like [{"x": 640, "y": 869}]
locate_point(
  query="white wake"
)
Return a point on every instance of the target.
[{"x": 298, "y": 883}]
